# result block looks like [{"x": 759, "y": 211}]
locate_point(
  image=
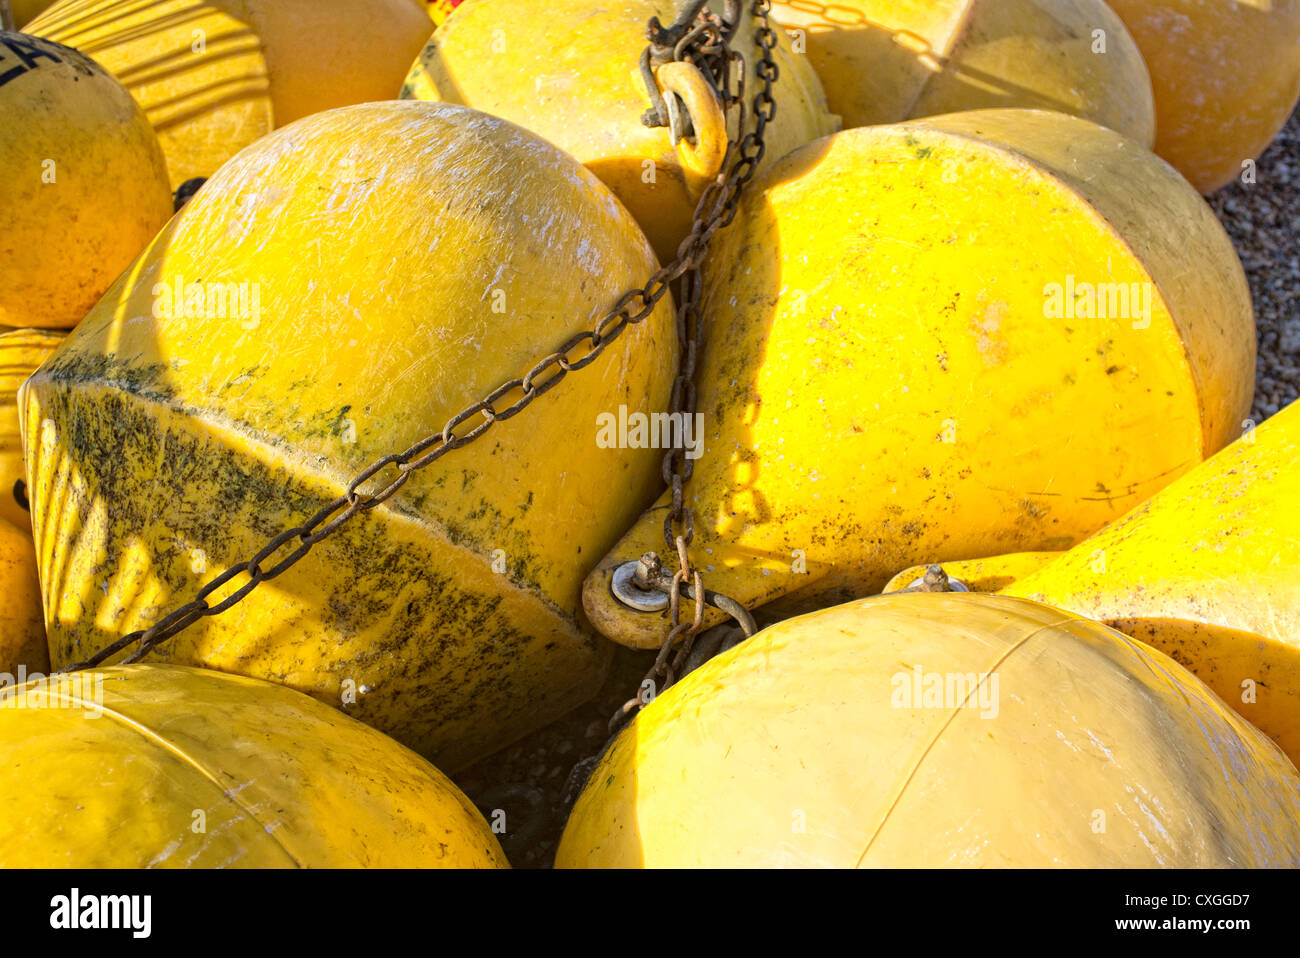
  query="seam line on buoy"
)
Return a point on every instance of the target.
[
  {"x": 944, "y": 727},
  {"x": 148, "y": 733}
]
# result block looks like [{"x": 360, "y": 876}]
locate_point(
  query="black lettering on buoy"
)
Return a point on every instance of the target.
[
  {"x": 27, "y": 52},
  {"x": 11, "y": 73}
]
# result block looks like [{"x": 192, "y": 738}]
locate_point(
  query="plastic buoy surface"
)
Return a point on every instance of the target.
[
  {"x": 938, "y": 730},
  {"x": 83, "y": 185},
  {"x": 570, "y": 73},
  {"x": 333, "y": 295},
  {"x": 1203, "y": 571},
  {"x": 884, "y": 61},
  {"x": 215, "y": 75},
  {"x": 906, "y": 322},
  {"x": 21, "y": 351},
  {"x": 1206, "y": 572},
  {"x": 163, "y": 766},
  {"x": 1226, "y": 75},
  {"x": 22, "y": 627}
]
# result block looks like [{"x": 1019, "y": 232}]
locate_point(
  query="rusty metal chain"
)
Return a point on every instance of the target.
[
  {"x": 631, "y": 308},
  {"x": 716, "y": 209}
]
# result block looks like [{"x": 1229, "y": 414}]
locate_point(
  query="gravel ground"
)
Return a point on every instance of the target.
[
  {"x": 542, "y": 761},
  {"x": 1261, "y": 218}
]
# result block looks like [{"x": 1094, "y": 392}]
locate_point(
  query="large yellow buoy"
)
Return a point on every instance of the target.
[
  {"x": 22, "y": 628},
  {"x": 988, "y": 332},
  {"x": 884, "y": 61},
  {"x": 938, "y": 730},
  {"x": 571, "y": 74},
  {"x": 1205, "y": 571},
  {"x": 21, "y": 351},
  {"x": 149, "y": 766},
  {"x": 335, "y": 294},
  {"x": 215, "y": 75},
  {"x": 83, "y": 186},
  {"x": 1226, "y": 75}
]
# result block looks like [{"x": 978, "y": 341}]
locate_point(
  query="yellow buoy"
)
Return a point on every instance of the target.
[
  {"x": 988, "y": 332},
  {"x": 938, "y": 730},
  {"x": 571, "y": 74},
  {"x": 148, "y": 766},
  {"x": 334, "y": 294},
  {"x": 1226, "y": 75},
  {"x": 884, "y": 61},
  {"x": 21, "y": 351},
  {"x": 22, "y": 628},
  {"x": 215, "y": 75},
  {"x": 83, "y": 186},
  {"x": 1205, "y": 571}
]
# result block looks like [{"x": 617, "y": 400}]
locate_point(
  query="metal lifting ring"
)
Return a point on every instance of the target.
[
  {"x": 954, "y": 585},
  {"x": 625, "y": 589},
  {"x": 626, "y": 585}
]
